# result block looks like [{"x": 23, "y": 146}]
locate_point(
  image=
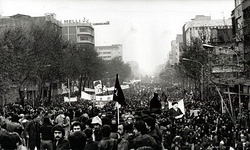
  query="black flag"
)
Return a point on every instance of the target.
[{"x": 118, "y": 95}]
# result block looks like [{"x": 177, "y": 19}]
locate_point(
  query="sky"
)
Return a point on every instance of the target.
[{"x": 144, "y": 28}]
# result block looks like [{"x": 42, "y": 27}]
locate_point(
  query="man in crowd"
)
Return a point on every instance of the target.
[
  {"x": 123, "y": 144},
  {"x": 60, "y": 143},
  {"x": 155, "y": 104},
  {"x": 97, "y": 123},
  {"x": 107, "y": 143},
  {"x": 46, "y": 134}
]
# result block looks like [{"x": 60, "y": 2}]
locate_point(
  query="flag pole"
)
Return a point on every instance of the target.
[
  {"x": 69, "y": 92},
  {"x": 118, "y": 113}
]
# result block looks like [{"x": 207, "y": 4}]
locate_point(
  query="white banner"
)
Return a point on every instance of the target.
[
  {"x": 98, "y": 86},
  {"x": 89, "y": 89},
  {"x": 104, "y": 98},
  {"x": 85, "y": 96},
  {"x": 72, "y": 99},
  {"x": 179, "y": 105}
]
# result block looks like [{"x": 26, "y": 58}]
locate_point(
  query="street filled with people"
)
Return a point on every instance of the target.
[{"x": 145, "y": 123}]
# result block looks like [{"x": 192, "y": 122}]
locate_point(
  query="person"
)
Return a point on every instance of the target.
[
  {"x": 46, "y": 134},
  {"x": 32, "y": 133},
  {"x": 90, "y": 144},
  {"x": 76, "y": 126},
  {"x": 155, "y": 104},
  {"x": 63, "y": 120},
  {"x": 60, "y": 142},
  {"x": 150, "y": 124},
  {"x": 175, "y": 112},
  {"x": 97, "y": 123},
  {"x": 142, "y": 140},
  {"x": 107, "y": 143},
  {"x": 77, "y": 140},
  {"x": 123, "y": 144}
]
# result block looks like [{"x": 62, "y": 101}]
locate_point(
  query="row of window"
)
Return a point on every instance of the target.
[
  {"x": 105, "y": 57},
  {"x": 84, "y": 38},
  {"x": 107, "y": 48},
  {"x": 73, "y": 29},
  {"x": 211, "y": 27},
  {"x": 104, "y": 52}
]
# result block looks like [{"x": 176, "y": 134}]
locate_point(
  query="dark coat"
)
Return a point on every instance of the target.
[
  {"x": 63, "y": 144},
  {"x": 91, "y": 145},
  {"x": 173, "y": 113},
  {"x": 108, "y": 143}
]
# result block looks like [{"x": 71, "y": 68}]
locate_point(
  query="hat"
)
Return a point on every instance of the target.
[{"x": 96, "y": 120}]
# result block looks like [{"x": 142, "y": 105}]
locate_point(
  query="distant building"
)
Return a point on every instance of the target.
[
  {"x": 109, "y": 52},
  {"x": 204, "y": 28},
  {"x": 176, "y": 49},
  {"x": 79, "y": 31}
]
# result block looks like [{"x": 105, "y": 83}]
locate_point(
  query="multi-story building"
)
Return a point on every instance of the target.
[
  {"x": 176, "y": 49},
  {"x": 203, "y": 27},
  {"x": 109, "y": 52},
  {"x": 29, "y": 89},
  {"x": 241, "y": 34},
  {"x": 241, "y": 27},
  {"x": 79, "y": 31}
]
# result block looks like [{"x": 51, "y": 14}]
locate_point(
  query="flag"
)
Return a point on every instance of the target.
[{"x": 118, "y": 95}]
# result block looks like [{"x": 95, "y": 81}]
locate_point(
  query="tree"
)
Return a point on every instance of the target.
[
  {"x": 16, "y": 47},
  {"x": 117, "y": 66}
]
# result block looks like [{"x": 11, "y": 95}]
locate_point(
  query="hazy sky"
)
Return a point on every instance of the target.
[{"x": 145, "y": 28}]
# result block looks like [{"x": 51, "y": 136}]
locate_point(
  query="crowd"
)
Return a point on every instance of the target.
[{"x": 144, "y": 124}]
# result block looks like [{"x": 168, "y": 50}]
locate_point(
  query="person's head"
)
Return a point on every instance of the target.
[
  {"x": 76, "y": 126},
  {"x": 155, "y": 94},
  {"x": 150, "y": 123},
  {"x": 140, "y": 128},
  {"x": 106, "y": 130},
  {"x": 47, "y": 121},
  {"x": 96, "y": 122},
  {"x": 175, "y": 104},
  {"x": 8, "y": 141},
  {"x": 58, "y": 132},
  {"x": 120, "y": 129},
  {"x": 130, "y": 120},
  {"x": 77, "y": 140},
  {"x": 88, "y": 132}
]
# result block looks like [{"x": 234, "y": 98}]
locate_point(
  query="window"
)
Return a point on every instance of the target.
[
  {"x": 82, "y": 38},
  {"x": 83, "y": 30}
]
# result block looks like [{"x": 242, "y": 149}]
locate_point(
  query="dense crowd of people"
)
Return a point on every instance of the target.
[{"x": 146, "y": 123}]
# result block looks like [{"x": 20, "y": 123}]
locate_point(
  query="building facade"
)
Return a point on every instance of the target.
[
  {"x": 80, "y": 32},
  {"x": 203, "y": 27},
  {"x": 176, "y": 49},
  {"x": 109, "y": 52}
]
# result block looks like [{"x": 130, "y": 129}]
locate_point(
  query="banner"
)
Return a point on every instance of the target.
[
  {"x": 72, "y": 99},
  {"x": 98, "y": 86},
  {"x": 85, "y": 96},
  {"x": 179, "y": 105}
]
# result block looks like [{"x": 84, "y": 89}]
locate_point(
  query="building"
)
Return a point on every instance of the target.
[
  {"x": 109, "y": 52},
  {"x": 204, "y": 28},
  {"x": 29, "y": 89},
  {"x": 79, "y": 31},
  {"x": 241, "y": 35},
  {"x": 176, "y": 49}
]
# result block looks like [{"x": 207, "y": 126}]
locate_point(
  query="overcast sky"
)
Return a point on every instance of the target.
[{"x": 145, "y": 28}]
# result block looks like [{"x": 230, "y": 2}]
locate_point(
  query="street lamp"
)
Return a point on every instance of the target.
[{"x": 202, "y": 76}]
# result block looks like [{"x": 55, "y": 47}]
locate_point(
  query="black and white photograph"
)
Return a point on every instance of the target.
[{"x": 124, "y": 74}]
